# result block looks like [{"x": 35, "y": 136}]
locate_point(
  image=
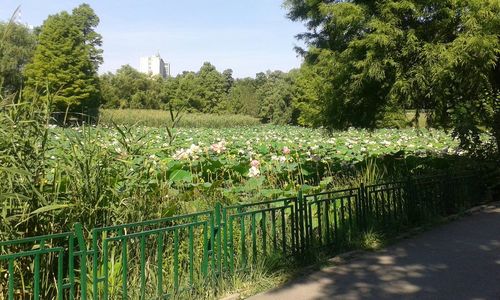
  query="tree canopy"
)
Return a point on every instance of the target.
[
  {"x": 65, "y": 62},
  {"x": 370, "y": 60},
  {"x": 268, "y": 96},
  {"x": 17, "y": 43}
]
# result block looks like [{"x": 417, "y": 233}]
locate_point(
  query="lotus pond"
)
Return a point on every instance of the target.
[
  {"x": 264, "y": 160},
  {"x": 113, "y": 175}
]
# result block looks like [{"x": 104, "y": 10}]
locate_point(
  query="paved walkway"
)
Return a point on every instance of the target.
[{"x": 459, "y": 260}]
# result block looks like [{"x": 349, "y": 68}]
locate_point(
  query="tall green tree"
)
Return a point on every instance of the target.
[
  {"x": 275, "y": 98},
  {"x": 211, "y": 86},
  {"x": 307, "y": 97},
  {"x": 64, "y": 67},
  {"x": 377, "y": 58},
  {"x": 87, "y": 21},
  {"x": 243, "y": 97},
  {"x": 17, "y": 44},
  {"x": 187, "y": 94},
  {"x": 228, "y": 80}
]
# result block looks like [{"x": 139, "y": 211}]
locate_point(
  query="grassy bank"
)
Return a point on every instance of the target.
[{"x": 161, "y": 118}]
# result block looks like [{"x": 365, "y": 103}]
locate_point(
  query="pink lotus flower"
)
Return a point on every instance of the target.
[
  {"x": 218, "y": 147},
  {"x": 286, "y": 150},
  {"x": 255, "y": 163}
]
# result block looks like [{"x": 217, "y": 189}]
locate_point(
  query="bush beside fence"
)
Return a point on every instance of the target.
[{"x": 185, "y": 254}]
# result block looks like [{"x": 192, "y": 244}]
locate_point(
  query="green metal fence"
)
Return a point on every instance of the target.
[{"x": 164, "y": 258}]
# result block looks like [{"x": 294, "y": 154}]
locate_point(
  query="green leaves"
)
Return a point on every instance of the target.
[
  {"x": 50, "y": 208},
  {"x": 254, "y": 183},
  {"x": 16, "y": 49},
  {"x": 180, "y": 176},
  {"x": 64, "y": 66},
  {"x": 369, "y": 60}
]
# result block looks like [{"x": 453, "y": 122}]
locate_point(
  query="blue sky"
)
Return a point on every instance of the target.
[{"x": 247, "y": 36}]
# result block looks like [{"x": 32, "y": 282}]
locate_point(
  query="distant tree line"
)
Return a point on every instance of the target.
[{"x": 268, "y": 96}]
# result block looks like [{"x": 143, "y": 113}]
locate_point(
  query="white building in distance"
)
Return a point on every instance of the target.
[{"x": 154, "y": 65}]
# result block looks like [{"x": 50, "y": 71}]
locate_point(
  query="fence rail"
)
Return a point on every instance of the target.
[{"x": 160, "y": 259}]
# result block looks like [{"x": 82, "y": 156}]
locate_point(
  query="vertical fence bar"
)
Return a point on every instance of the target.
[
  {"x": 342, "y": 218},
  {"x": 159, "y": 269},
  {"x": 400, "y": 202},
  {"x": 264, "y": 233},
  {"x": 243, "y": 241},
  {"x": 294, "y": 228},
  {"x": 142, "y": 265},
  {"x": 60, "y": 279},
  {"x": 357, "y": 208},
  {"x": 335, "y": 225},
  {"x": 273, "y": 228},
  {"x": 212, "y": 244},
  {"x": 301, "y": 221},
  {"x": 254, "y": 240},
  {"x": 10, "y": 289},
  {"x": 318, "y": 212},
  {"x": 283, "y": 230},
  {"x": 36, "y": 289},
  {"x": 327, "y": 222},
  {"x": 176, "y": 259},
  {"x": 124, "y": 265},
  {"x": 366, "y": 208},
  {"x": 349, "y": 209},
  {"x": 231, "y": 246},
  {"x": 105, "y": 270},
  {"x": 308, "y": 222},
  {"x": 95, "y": 257},
  {"x": 191, "y": 255},
  {"x": 83, "y": 260},
  {"x": 204, "y": 263},
  {"x": 218, "y": 257},
  {"x": 71, "y": 267},
  {"x": 224, "y": 238}
]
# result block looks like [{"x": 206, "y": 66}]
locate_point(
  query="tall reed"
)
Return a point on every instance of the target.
[{"x": 160, "y": 118}]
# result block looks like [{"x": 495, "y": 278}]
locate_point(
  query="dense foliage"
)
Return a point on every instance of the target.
[
  {"x": 65, "y": 62},
  {"x": 54, "y": 177},
  {"x": 369, "y": 60},
  {"x": 17, "y": 44},
  {"x": 267, "y": 97},
  {"x": 360, "y": 70},
  {"x": 367, "y": 63}
]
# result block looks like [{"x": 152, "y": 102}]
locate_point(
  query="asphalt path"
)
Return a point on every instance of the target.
[{"x": 458, "y": 260}]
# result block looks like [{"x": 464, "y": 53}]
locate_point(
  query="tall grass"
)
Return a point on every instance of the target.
[{"x": 161, "y": 118}]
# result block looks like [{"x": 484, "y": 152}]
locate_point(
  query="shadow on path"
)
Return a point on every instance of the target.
[{"x": 459, "y": 260}]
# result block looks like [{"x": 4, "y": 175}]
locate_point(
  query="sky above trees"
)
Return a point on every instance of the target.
[{"x": 246, "y": 36}]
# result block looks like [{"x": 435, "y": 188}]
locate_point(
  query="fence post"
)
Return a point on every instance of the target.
[
  {"x": 218, "y": 256},
  {"x": 301, "y": 222},
  {"x": 410, "y": 206},
  {"x": 363, "y": 206},
  {"x": 83, "y": 259}
]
